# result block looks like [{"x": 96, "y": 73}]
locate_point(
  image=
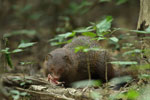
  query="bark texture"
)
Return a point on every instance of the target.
[{"x": 144, "y": 15}]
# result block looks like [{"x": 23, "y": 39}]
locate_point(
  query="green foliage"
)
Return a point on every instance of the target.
[
  {"x": 79, "y": 48},
  {"x": 7, "y": 56},
  {"x": 119, "y": 80},
  {"x": 132, "y": 52},
  {"x": 104, "y": 25},
  {"x": 83, "y": 30},
  {"x": 132, "y": 94},
  {"x": 102, "y": 28},
  {"x": 129, "y": 95},
  {"x": 24, "y": 9},
  {"x": 95, "y": 95},
  {"x": 80, "y": 8},
  {"x": 23, "y": 82},
  {"x": 144, "y": 93},
  {"x": 124, "y": 62},
  {"x": 60, "y": 39},
  {"x": 16, "y": 94},
  {"x": 143, "y": 67},
  {"x": 20, "y": 32},
  {"x": 86, "y": 83},
  {"x": 17, "y": 50},
  {"x": 68, "y": 34},
  {"x": 26, "y": 63},
  {"x": 114, "y": 39},
  {"x": 35, "y": 16},
  {"x": 91, "y": 49},
  {"x": 85, "y": 49},
  {"x": 119, "y": 2},
  {"x": 20, "y": 48},
  {"x": 25, "y": 45},
  {"x": 144, "y": 76},
  {"x": 147, "y": 31},
  {"x": 105, "y": 0},
  {"x": 90, "y": 34}
]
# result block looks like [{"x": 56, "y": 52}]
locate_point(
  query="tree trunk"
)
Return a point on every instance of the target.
[
  {"x": 144, "y": 15},
  {"x": 143, "y": 24}
]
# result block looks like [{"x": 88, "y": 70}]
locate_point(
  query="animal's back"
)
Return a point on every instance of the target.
[
  {"x": 82, "y": 41},
  {"x": 98, "y": 60}
]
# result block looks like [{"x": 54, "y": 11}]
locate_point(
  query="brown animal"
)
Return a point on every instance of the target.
[{"x": 64, "y": 65}]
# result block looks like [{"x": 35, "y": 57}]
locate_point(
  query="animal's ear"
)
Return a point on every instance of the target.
[
  {"x": 49, "y": 56},
  {"x": 67, "y": 59}
]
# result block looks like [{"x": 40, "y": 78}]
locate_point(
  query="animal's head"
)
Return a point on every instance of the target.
[{"x": 58, "y": 63}]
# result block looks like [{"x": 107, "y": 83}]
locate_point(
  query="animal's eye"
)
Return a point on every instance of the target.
[
  {"x": 52, "y": 69},
  {"x": 60, "y": 70}
]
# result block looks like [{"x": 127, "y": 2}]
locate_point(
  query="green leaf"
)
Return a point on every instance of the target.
[
  {"x": 143, "y": 67},
  {"x": 60, "y": 39},
  {"x": 55, "y": 43},
  {"x": 124, "y": 62},
  {"x": 148, "y": 29},
  {"x": 26, "y": 63},
  {"x": 85, "y": 83},
  {"x": 23, "y": 93},
  {"x": 139, "y": 32},
  {"x": 119, "y": 2},
  {"x": 85, "y": 49},
  {"x": 144, "y": 76},
  {"x": 17, "y": 78},
  {"x": 132, "y": 51},
  {"x": 127, "y": 45},
  {"x": 9, "y": 61},
  {"x": 105, "y": 0},
  {"x": 114, "y": 39},
  {"x": 82, "y": 30},
  {"x": 132, "y": 94},
  {"x": 79, "y": 48},
  {"x": 101, "y": 38},
  {"x": 136, "y": 31},
  {"x": 22, "y": 83},
  {"x": 91, "y": 49},
  {"x": 68, "y": 34},
  {"x": 26, "y": 8},
  {"x": 17, "y": 50},
  {"x": 29, "y": 81},
  {"x": 20, "y": 32},
  {"x": 90, "y": 34},
  {"x": 59, "y": 43},
  {"x": 78, "y": 7},
  {"x": 25, "y": 45},
  {"x": 5, "y": 51},
  {"x": 15, "y": 97},
  {"x": 35, "y": 16},
  {"x": 96, "y": 95},
  {"x": 104, "y": 25},
  {"x": 118, "y": 80},
  {"x": 57, "y": 38},
  {"x": 16, "y": 92},
  {"x": 144, "y": 92}
]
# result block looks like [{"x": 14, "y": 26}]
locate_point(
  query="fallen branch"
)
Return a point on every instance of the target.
[{"x": 41, "y": 89}]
